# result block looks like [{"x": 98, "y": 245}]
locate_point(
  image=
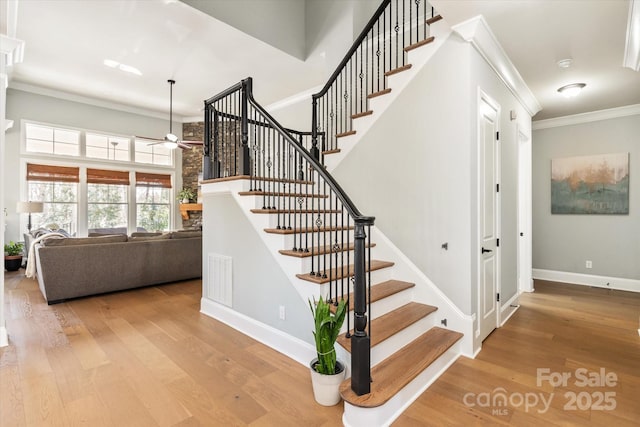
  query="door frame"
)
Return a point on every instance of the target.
[
  {"x": 525, "y": 209},
  {"x": 483, "y": 97}
]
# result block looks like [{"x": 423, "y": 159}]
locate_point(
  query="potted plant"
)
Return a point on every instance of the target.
[
  {"x": 186, "y": 195},
  {"x": 12, "y": 256},
  {"x": 326, "y": 371}
]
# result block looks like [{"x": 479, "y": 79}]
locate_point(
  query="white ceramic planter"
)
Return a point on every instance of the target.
[{"x": 326, "y": 388}]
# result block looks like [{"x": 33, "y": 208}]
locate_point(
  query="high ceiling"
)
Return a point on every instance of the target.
[{"x": 67, "y": 42}]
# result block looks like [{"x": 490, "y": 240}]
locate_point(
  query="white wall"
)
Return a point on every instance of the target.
[
  {"x": 416, "y": 172},
  {"x": 565, "y": 242},
  {"x": 23, "y": 105},
  {"x": 260, "y": 286}
]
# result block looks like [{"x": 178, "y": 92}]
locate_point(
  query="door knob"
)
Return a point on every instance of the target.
[{"x": 484, "y": 251}]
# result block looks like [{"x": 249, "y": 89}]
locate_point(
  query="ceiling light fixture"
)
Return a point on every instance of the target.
[
  {"x": 565, "y": 63},
  {"x": 572, "y": 90},
  {"x": 122, "y": 67}
]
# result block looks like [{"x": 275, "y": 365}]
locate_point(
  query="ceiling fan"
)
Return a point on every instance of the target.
[{"x": 170, "y": 140}]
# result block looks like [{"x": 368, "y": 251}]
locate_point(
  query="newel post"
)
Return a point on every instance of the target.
[
  {"x": 246, "y": 90},
  {"x": 360, "y": 341},
  {"x": 315, "y": 152},
  {"x": 206, "y": 158}
]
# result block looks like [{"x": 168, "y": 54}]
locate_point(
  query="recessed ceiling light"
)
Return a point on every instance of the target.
[
  {"x": 122, "y": 67},
  {"x": 565, "y": 63},
  {"x": 572, "y": 90}
]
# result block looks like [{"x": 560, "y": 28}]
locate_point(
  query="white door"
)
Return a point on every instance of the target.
[{"x": 489, "y": 212}]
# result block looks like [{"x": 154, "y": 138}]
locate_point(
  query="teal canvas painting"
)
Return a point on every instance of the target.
[{"x": 596, "y": 184}]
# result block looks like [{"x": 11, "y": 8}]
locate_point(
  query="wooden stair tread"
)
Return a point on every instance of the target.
[
  {"x": 319, "y": 250},
  {"x": 396, "y": 371},
  {"x": 379, "y": 93},
  {"x": 420, "y": 43},
  {"x": 398, "y": 70},
  {"x": 305, "y": 230},
  {"x": 381, "y": 290},
  {"x": 340, "y": 272},
  {"x": 433, "y": 19},
  {"x": 334, "y": 151},
  {"x": 347, "y": 133},
  {"x": 389, "y": 324},
  {"x": 363, "y": 114},
  {"x": 256, "y": 178},
  {"x": 295, "y": 211},
  {"x": 276, "y": 194}
]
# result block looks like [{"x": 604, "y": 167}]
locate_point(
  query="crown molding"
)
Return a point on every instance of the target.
[
  {"x": 54, "y": 93},
  {"x": 632, "y": 44},
  {"x": 477, "y": 32},
  {"x": 12, "y": 50},
  {"x": 593, "y": 116}
]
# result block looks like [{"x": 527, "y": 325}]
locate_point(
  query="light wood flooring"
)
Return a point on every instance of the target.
[{"x": 148, "y": 358}]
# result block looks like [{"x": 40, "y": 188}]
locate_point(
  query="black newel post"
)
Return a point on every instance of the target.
[
  {"x": 206, "y": 159},
  {"x": 314, "y": 130},
  {"x": 246, "y": 165},
  {"x": 216, "y": 145},
  {"x": 360, "y": 341}
]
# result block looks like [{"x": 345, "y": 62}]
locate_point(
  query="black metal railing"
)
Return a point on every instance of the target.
[
  {"x": 304, "y": 200},
  {"x": 378, "y": 50}
]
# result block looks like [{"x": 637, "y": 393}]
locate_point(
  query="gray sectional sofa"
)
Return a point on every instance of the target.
[{"x": 76, "y": 267}]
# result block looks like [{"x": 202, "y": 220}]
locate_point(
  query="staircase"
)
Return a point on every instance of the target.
[{"x": 399, "y": 343}]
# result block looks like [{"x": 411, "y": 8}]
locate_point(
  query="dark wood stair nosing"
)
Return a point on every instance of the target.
[
  {"x": 347, "y": 133},
  {"x": 362, "y": 114},
  {"x": 274, "y": 194},
  {"x": 334, "y": 151},
  {"x": 433, "y": 19},
  {"x": 306, "y": 230},
  {"x": 405, "y": 67},
  {"x": 396, "y": 371},
  {"x": 319, "y": 251},
  {"x": 382, "y": 290},
  {"x": 294, "y": 211},
  {"x": 342, "y": 272},
  {"x": 379, "y": 93},
  {"x": 419, "y": 44},
  {"x": 400, "y": 319}
]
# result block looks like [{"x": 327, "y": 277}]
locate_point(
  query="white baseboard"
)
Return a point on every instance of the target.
[
  {"x": 508, "y": 309},
  {"x": 618, "y": 283},
  {"x": 4, "y": 337},
  {"x": 292, "y": 347}
]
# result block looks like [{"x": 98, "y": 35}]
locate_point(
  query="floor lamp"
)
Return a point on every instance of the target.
[{"x": 29, "y": 207}]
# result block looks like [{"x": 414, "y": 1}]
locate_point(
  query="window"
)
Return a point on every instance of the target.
[
  {"x": 107, "y": 147},
  {"x": 153, "y": 201},
  {"x": 107, "y": 199},
  {"x": 57, "y": 188},
  {"x": 153, "y": 153},
  {"x": 51, "y": 140}
]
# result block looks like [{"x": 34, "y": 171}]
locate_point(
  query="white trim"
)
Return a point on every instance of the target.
[
  {"x": 293, "y": 99},
  {"x": 39, "y": 90},
  {"x": 509, "y": 305},
  {"x": 593, "y": 116},
  {"x": 619, "y": 283},
  {"x": 12, "y": 49},
  {"x": 292, "y": 347},
  {"x": 477, "y": 32},
  {"x": 632, "y": 44},
  {"x": 4, "y": 337}
]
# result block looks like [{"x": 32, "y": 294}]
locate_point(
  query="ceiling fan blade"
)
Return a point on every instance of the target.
[
  {"x": 192, "y": 142},
  {"x": 148, "y": 138}
]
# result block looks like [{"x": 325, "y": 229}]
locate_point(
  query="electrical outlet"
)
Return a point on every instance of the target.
[
  {"x": 588, "y": 264},
  {"x": 282, "y": 313}
]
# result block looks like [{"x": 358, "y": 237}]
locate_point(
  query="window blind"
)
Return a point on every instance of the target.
[
  {"x": 103, "y": 176},
  {"x": 144, "y": 179},
  {"x": 52, "y": 173}
]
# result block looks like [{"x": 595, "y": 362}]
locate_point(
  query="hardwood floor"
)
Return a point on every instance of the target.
[
  {"x": 560, "y": 327},
  {"x": 149, "y": 358}
]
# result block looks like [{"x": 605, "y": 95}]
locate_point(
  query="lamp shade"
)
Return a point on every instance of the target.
[{"x": 29, "y": 207}]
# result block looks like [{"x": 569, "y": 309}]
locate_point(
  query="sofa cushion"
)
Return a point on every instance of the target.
[
  {"x": 146, "y": 233},
  {"x": 53, "y": 241},
  {"x": 153, "y": 236},
  {"x": 185, "y": 234}
]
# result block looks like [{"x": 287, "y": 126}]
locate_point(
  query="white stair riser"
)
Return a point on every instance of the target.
[
  {"x": 392, "y": 344},
  {"x": 304, "y": 220},
  {"x": 286, "y": 202}
]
